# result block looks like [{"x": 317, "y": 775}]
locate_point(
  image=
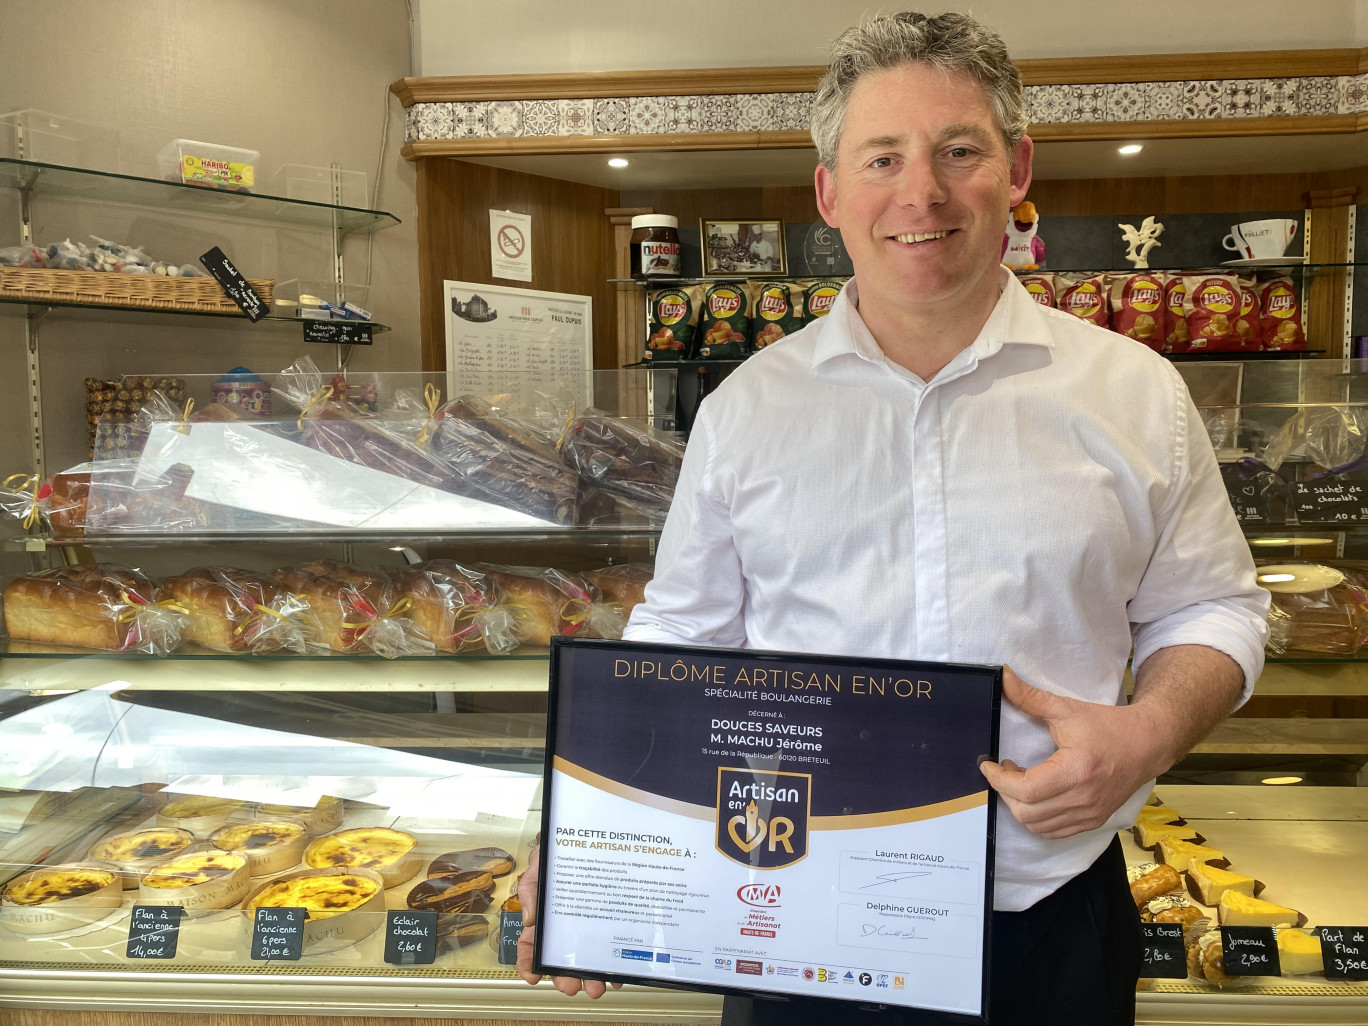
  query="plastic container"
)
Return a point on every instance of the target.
[
  {"x": 242, "y": 388},
  {"x": 332, "y": 186},
  {"x": 321, "y": 300},
  {"x": 654, "y": 246},
  {"x": 52, "y": 139},
  {"x": 208, "y": 164}
]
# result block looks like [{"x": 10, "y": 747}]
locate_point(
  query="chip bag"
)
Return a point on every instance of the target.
[
  {"x": 673, "y": 322},
  {"x": 776, "y": 311},
  {"x": 726, "y": 322},
  {"x": 1137, "y": 308},
  {"x": 1212, "y": 306},
  {"x": 1086, "y": 299},
  {"x": 1280, "y": 315}
]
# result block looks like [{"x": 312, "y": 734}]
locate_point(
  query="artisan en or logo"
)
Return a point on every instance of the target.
[{"x": 762, "y": 817}]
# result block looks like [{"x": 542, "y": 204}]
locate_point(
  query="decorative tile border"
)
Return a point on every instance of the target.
[{"x": 788, "y": 112}]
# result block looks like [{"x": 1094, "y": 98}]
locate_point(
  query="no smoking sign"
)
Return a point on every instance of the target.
[{"x": 510, "y": 245}]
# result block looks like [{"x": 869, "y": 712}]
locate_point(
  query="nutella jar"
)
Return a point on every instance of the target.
[{"x": 655, "y": 246}]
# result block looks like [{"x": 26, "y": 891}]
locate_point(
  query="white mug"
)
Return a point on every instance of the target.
[{"x": 1261, "y": 240}]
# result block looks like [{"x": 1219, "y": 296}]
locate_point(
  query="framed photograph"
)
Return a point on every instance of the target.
[{"x": 742, "y": 247}]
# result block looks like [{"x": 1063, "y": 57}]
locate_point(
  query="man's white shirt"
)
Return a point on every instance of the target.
[{"x": 1047, "y": 500}]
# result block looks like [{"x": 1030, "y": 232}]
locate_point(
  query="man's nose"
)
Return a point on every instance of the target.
[{"x": 922, "y": 183}]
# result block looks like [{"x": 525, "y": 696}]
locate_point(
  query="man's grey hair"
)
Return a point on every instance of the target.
[{"x": 948, "y": 42}]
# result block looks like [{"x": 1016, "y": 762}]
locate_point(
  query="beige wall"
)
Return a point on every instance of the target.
[
  {"x": 303, "y": 81},
  {"x": 462, "y": 37}
]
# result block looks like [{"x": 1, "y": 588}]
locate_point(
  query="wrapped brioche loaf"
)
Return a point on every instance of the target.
[
  {"x": 544, "y": 603},
  {"x": 94, "y": 606},
  {"x": 233, "y": 610},
  {"x": 457, "y": 608},
  {"x": 354, "y": 609},
  {"x": 624, "y": 460},
  {"x": 621, "y": 589}
]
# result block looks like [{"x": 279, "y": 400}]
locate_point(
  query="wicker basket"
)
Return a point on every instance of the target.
[{"x": 137, "y": 291}]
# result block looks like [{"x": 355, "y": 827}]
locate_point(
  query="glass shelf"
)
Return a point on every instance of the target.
[
  {"x": 149, "y": 539},
  {"x": 667, "y": 364},
  {"x": 12, "y": 649},
  {"x": 137, "y": 315},
  {"x": 56, "y": 180}
]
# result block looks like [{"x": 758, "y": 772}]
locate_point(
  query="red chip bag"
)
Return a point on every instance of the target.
[
  {"x": 1280, "y": 315},
  {"x": 1086, "y": 299},
  {"x": 1175, "y": 317},
  {"x": 1137, "y": 308},
  {"x": 1212, "y": 306},
  {"x": 1041, "y": 287},
  {"x": 1248, "y": 326}
]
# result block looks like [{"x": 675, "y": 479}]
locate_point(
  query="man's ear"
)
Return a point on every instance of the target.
[
  {"x": 1019, "y": 177},
  {"x": 825, "y": 183}
]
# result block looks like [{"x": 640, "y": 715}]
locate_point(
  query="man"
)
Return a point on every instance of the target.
[{"x": 940, "y": 469}]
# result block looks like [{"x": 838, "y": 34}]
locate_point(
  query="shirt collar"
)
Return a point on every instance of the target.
[{"x": 1016, "y": 320}]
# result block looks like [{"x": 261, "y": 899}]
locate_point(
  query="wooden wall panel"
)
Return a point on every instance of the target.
[
  {"x": 794, "y": 204},
  {"x": 572, "y": 242}
]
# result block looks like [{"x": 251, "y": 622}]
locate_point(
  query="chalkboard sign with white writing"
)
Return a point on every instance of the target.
[
  {"x": 1345, "y": 950},
  {"x": 1331, "y": 502},
  {"x": 234, "y": 285},
  {"x": 352, "y": 333},
  {"x": 1164, "y": 954},
  {"x": 1250, "y": 951},
  {"x": 411, "y": 938},
  {"x": 154, "y": 931},
  {"x": 278, "y": 934}
]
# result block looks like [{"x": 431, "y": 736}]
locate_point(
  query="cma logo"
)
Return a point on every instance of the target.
[{"x": 759, "y": 895}]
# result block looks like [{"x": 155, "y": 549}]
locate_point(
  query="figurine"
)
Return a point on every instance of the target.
[
  {"x": 1022, "y": 249},
  {"x": 1142, "y": 241}
]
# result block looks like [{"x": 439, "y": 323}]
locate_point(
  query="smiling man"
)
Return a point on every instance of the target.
[{"x": 942, "y": 470}]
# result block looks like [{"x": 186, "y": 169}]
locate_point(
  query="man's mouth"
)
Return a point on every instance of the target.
[{"x": 911, "y": 238}]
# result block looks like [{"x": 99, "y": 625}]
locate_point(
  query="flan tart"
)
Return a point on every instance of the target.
[
  {"x": 1179, "y": 854},
  {"x": 1299, "y": 953},
  {"x": 1207, "y": 883},
  {"x": 318, "y": 819},
  {"x": 199, "y": 814},
  {"x": 1148, "y": 833},
  {"x": 136, "y": 851},
  {"x": 59, "y": 898},
  {"x": 344, "y": 905},
  {"x": 391, "y": 853},
  {"x": 271, "y": 845},
  {"x": 1238, "y": 909},
  {"x": 198, "y": 880}
]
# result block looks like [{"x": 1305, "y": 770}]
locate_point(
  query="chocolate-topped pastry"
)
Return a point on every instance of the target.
[
  {"x": 456, "y": 931},
  {"x": 456, "y": 892},
  {"x": 495, "y": 861}
]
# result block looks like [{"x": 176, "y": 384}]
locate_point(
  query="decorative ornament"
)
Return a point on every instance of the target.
[
  {"x": 1022, "y": 249},
  {"x": 1141, "y": 241}
]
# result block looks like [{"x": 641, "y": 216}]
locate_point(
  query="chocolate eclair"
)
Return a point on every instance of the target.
[
  {"x": 471, "y": 891},
  {"x": 491, "y": 860}
]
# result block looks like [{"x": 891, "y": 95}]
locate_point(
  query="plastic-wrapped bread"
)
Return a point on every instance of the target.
[
  {"x": 544, "y": 603},
  {"x": 620, "y": 588},
  {"x": 354, "y": 609},
  {"x": 457, "y": 608},
  {"x": 624, "y": 460},
  {"x": 95, "y": 606},
  {"x": 231, "y": 610}
]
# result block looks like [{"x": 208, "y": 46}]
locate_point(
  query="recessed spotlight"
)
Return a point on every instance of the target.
[
  {"x": 618, "y": 162},
  {"x": 1276, "y": 578},
  {"x": 1281, "y": 780},
  {"x": 1129, "y": 149}
]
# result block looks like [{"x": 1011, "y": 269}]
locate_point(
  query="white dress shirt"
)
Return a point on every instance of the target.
[{"x": 1047, "y": 500}]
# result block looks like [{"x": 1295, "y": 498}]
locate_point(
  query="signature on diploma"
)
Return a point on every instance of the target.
[
  {"x": 891, "y": 878},
  {"x": 880, "y": 930}
]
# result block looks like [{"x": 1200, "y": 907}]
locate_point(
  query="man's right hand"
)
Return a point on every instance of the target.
[{"x": 527, "y": 894}]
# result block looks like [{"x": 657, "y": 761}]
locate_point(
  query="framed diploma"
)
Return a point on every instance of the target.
[{"x": 756, "y": 822}]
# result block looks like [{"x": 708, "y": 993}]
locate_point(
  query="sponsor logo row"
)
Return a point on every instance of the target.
[{"x": 821, "y": 974}]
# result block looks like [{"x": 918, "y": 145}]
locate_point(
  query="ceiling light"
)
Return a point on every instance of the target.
[
  {"x": 617, "y": 162},
  {"x": 1281, "y": 780},
  {"x": 1130, "y": 149},
  {"x": 1291, "y": 541},
  {"x": 1276, "y": 578}
]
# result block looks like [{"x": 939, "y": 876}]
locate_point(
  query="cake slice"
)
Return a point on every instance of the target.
[
  {"x": 1207, "y": 883},
  {"x": 1147, "y": 833},
  {"x": 1158, "y": 814},
  {"x": 1175, "y": 852},
  {"x": 1299, "y": 953},
  {"x": 1238, "y": 909}
]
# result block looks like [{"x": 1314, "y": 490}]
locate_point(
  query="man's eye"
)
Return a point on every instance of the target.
[
  {"x": 959, "y": 152},
  {"x": 881, "y": 162}
]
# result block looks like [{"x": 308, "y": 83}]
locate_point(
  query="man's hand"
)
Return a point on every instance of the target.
[
  {"x": 1105, "y": 754},
  {"x": 527, "y": 894}
]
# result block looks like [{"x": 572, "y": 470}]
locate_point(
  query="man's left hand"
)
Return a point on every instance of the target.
[{"x": 1105, "y": 754}]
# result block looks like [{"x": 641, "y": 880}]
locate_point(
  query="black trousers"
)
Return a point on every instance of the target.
[{"x": 1073, "y": 957}]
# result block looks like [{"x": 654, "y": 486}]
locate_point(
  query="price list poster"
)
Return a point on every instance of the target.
[
  {"x": 516, "y": 346},
  {"x": 761, "y": 822}
]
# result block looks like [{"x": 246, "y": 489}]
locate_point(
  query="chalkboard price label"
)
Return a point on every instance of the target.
[
  {"x": 352, "y": 333},
  {"x": 1165, "y": 956},
  {"x": 1345, "y": 951},
  {"x": 1250, "y": 951},
  {"x": 278, "y": 934},
  {"x": 410, "y": 938},
  {"x": 1331, "y": 502},
  {"x": 234, "y": 285},
  {"x": 510, "y": 929},
  {"x": 1250, "y": 504},
  {"x": 154, "y": 931}
]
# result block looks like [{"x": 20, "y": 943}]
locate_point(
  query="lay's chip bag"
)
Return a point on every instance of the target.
[
  {"x": 726, "y": 322},
  {"x": 776, "y": 311}
]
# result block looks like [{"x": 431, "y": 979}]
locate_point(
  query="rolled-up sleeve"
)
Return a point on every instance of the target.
[
  {"x": 1199, "y": 587},
  {"x": 698, "y": 593}
]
